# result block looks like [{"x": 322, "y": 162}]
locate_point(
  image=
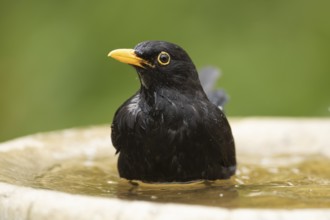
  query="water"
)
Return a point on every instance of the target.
[{"x": 282, "y": 181}]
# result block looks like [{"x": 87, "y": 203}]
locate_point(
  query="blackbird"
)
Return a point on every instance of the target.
[{"x": 169, "y": 131}]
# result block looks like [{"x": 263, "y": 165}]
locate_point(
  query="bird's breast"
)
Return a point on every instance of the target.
[
  {"x": 167, "y": 118},
  {"x": 133, "y": 106}
]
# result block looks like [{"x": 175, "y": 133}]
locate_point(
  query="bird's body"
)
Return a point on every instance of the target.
[{"x": 169, "y": 131}]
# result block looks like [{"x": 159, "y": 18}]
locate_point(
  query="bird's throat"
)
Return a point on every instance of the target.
[{"x": 143, "y": 81}]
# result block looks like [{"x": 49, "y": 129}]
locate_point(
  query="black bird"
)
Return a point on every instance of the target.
[{"x": 169, "y": 131}]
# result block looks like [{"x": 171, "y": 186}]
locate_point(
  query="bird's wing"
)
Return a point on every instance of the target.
[
  {"x": 121, "y": 121},
  {"x": 220, "y": 134},
  {"x": 208, "y": 77}
]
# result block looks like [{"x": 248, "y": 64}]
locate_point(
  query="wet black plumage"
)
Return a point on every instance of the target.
[{"x": 169, "y": 131}]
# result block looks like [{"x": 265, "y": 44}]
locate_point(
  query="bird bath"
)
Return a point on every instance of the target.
[{"x": 283, "y": 171}]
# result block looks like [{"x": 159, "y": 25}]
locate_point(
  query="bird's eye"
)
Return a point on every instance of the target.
[{"x": 164, "y": 58}]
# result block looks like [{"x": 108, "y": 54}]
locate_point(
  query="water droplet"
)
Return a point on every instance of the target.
[
  {"x": 257, "y": 193},
  {"x": 239, "y": 181},
  {"x": 111, "y": 182},
  {"x": 290, "y": 184}
]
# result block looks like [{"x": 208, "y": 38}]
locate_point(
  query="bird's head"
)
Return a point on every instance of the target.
[{"x": 160, "y": 64}]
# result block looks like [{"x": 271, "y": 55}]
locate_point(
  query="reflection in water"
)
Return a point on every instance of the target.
[{"x": 280, "y": 182}]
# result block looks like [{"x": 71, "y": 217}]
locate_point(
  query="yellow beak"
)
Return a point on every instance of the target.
[{"x": 128, "y": 56}]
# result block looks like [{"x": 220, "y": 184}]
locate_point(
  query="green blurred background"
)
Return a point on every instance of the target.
[{"x": 54, "y": 70}]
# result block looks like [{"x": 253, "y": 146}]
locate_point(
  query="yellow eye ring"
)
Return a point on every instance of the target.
[{"x": 163, "y": 58}]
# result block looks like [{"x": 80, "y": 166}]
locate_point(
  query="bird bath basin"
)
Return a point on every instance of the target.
[{"x": 284, "y": 170}]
